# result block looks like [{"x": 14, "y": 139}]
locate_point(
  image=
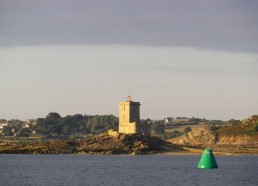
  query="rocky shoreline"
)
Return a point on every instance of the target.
[
  {"x": 234, "y": 138},
  {"x": 221, "y": 140},
  {"x": 102, "y": 144},
  {"x": 105, "y": 144}
]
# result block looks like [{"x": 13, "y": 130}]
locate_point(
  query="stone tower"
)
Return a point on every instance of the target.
[{"x": 129, "y": 118}]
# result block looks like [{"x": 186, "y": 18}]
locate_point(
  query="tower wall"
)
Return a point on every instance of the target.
[
  {"x": 135, "y": 112},
  {"x": 129, "y": 117}
]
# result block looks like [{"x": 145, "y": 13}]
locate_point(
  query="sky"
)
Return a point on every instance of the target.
[{"x": 178, "y": 58}]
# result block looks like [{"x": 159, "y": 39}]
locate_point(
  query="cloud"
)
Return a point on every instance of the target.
[{"x": 218, "y": 25}]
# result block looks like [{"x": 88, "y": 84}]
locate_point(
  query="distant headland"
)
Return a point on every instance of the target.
[{"x": 128, "y": 134}]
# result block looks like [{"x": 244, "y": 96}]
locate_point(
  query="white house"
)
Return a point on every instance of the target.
[
  {"x": 168, "y": 119},
  {"x": 2, "y": 125}
]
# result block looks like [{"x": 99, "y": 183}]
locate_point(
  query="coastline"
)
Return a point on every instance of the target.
[
  {"x": 182, "y": 151},
  {"x": 123, "y": 144}
]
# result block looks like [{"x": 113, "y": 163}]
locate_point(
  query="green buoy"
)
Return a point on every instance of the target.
[{"x": 207, "y": 160}]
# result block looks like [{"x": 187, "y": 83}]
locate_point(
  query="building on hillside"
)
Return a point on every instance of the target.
[
  {"x": 181, "y": 119},
  {"x": 171, "y": 120},
  {"x": 168, "y": 120},
  {"x": 129, "y": 119},
  {"x": 146, "y": 120},
  {"x": 2, "y": 125},
  {"x": 27, "y": 125}
]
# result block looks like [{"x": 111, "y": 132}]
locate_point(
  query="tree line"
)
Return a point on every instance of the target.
[{"x": 53, "y": 125}]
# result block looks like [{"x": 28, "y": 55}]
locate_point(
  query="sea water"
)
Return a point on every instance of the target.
[{"x": 125, "y": 170}]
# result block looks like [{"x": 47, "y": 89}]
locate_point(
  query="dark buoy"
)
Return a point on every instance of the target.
[{"x": 207, "y": 160}]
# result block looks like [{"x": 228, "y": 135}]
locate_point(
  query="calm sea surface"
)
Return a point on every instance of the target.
[{"x": 125, "y": 170}]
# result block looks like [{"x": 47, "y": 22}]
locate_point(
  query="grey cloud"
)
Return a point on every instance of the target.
[{"x": 230, "y": 25}]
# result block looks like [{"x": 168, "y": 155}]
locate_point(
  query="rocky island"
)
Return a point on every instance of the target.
[
  {"x": 54, "y": 135},
  {"x": 101, "y": 144}
]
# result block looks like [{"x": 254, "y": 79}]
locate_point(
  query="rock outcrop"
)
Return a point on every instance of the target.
[
  {"x": 250, "y": 120},
  {"x": 102, "y": 144},
  {"x": 49, "y": 147},
  {"x": 237, "y": 141},
  {"x": 197, "y": 137},
  {"x": 236, "y": 134}
]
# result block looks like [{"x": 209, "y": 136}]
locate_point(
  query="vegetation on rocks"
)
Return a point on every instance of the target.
[
  {"x": 247, "y": 127},
  {"x": 237, "y": 136}
]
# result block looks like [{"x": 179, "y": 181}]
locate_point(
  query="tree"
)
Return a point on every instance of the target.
[
  {"x": 158, "y": 128},
  {"x": 15, "y": 124},
  {"x": 53, "y": 116},
  {"x": 7, "y": 130},
  {"x": 24, "y": 132},
  {"x": 53, "y": 124}
]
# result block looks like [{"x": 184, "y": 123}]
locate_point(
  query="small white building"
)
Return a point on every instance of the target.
[
  {"x": 2, "y": 125},
  {"x": 169, "y": 119},
  {"x": 27, "y": 126}
]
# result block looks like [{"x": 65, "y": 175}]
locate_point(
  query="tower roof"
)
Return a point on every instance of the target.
[{"x": 130, "y": 103}]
